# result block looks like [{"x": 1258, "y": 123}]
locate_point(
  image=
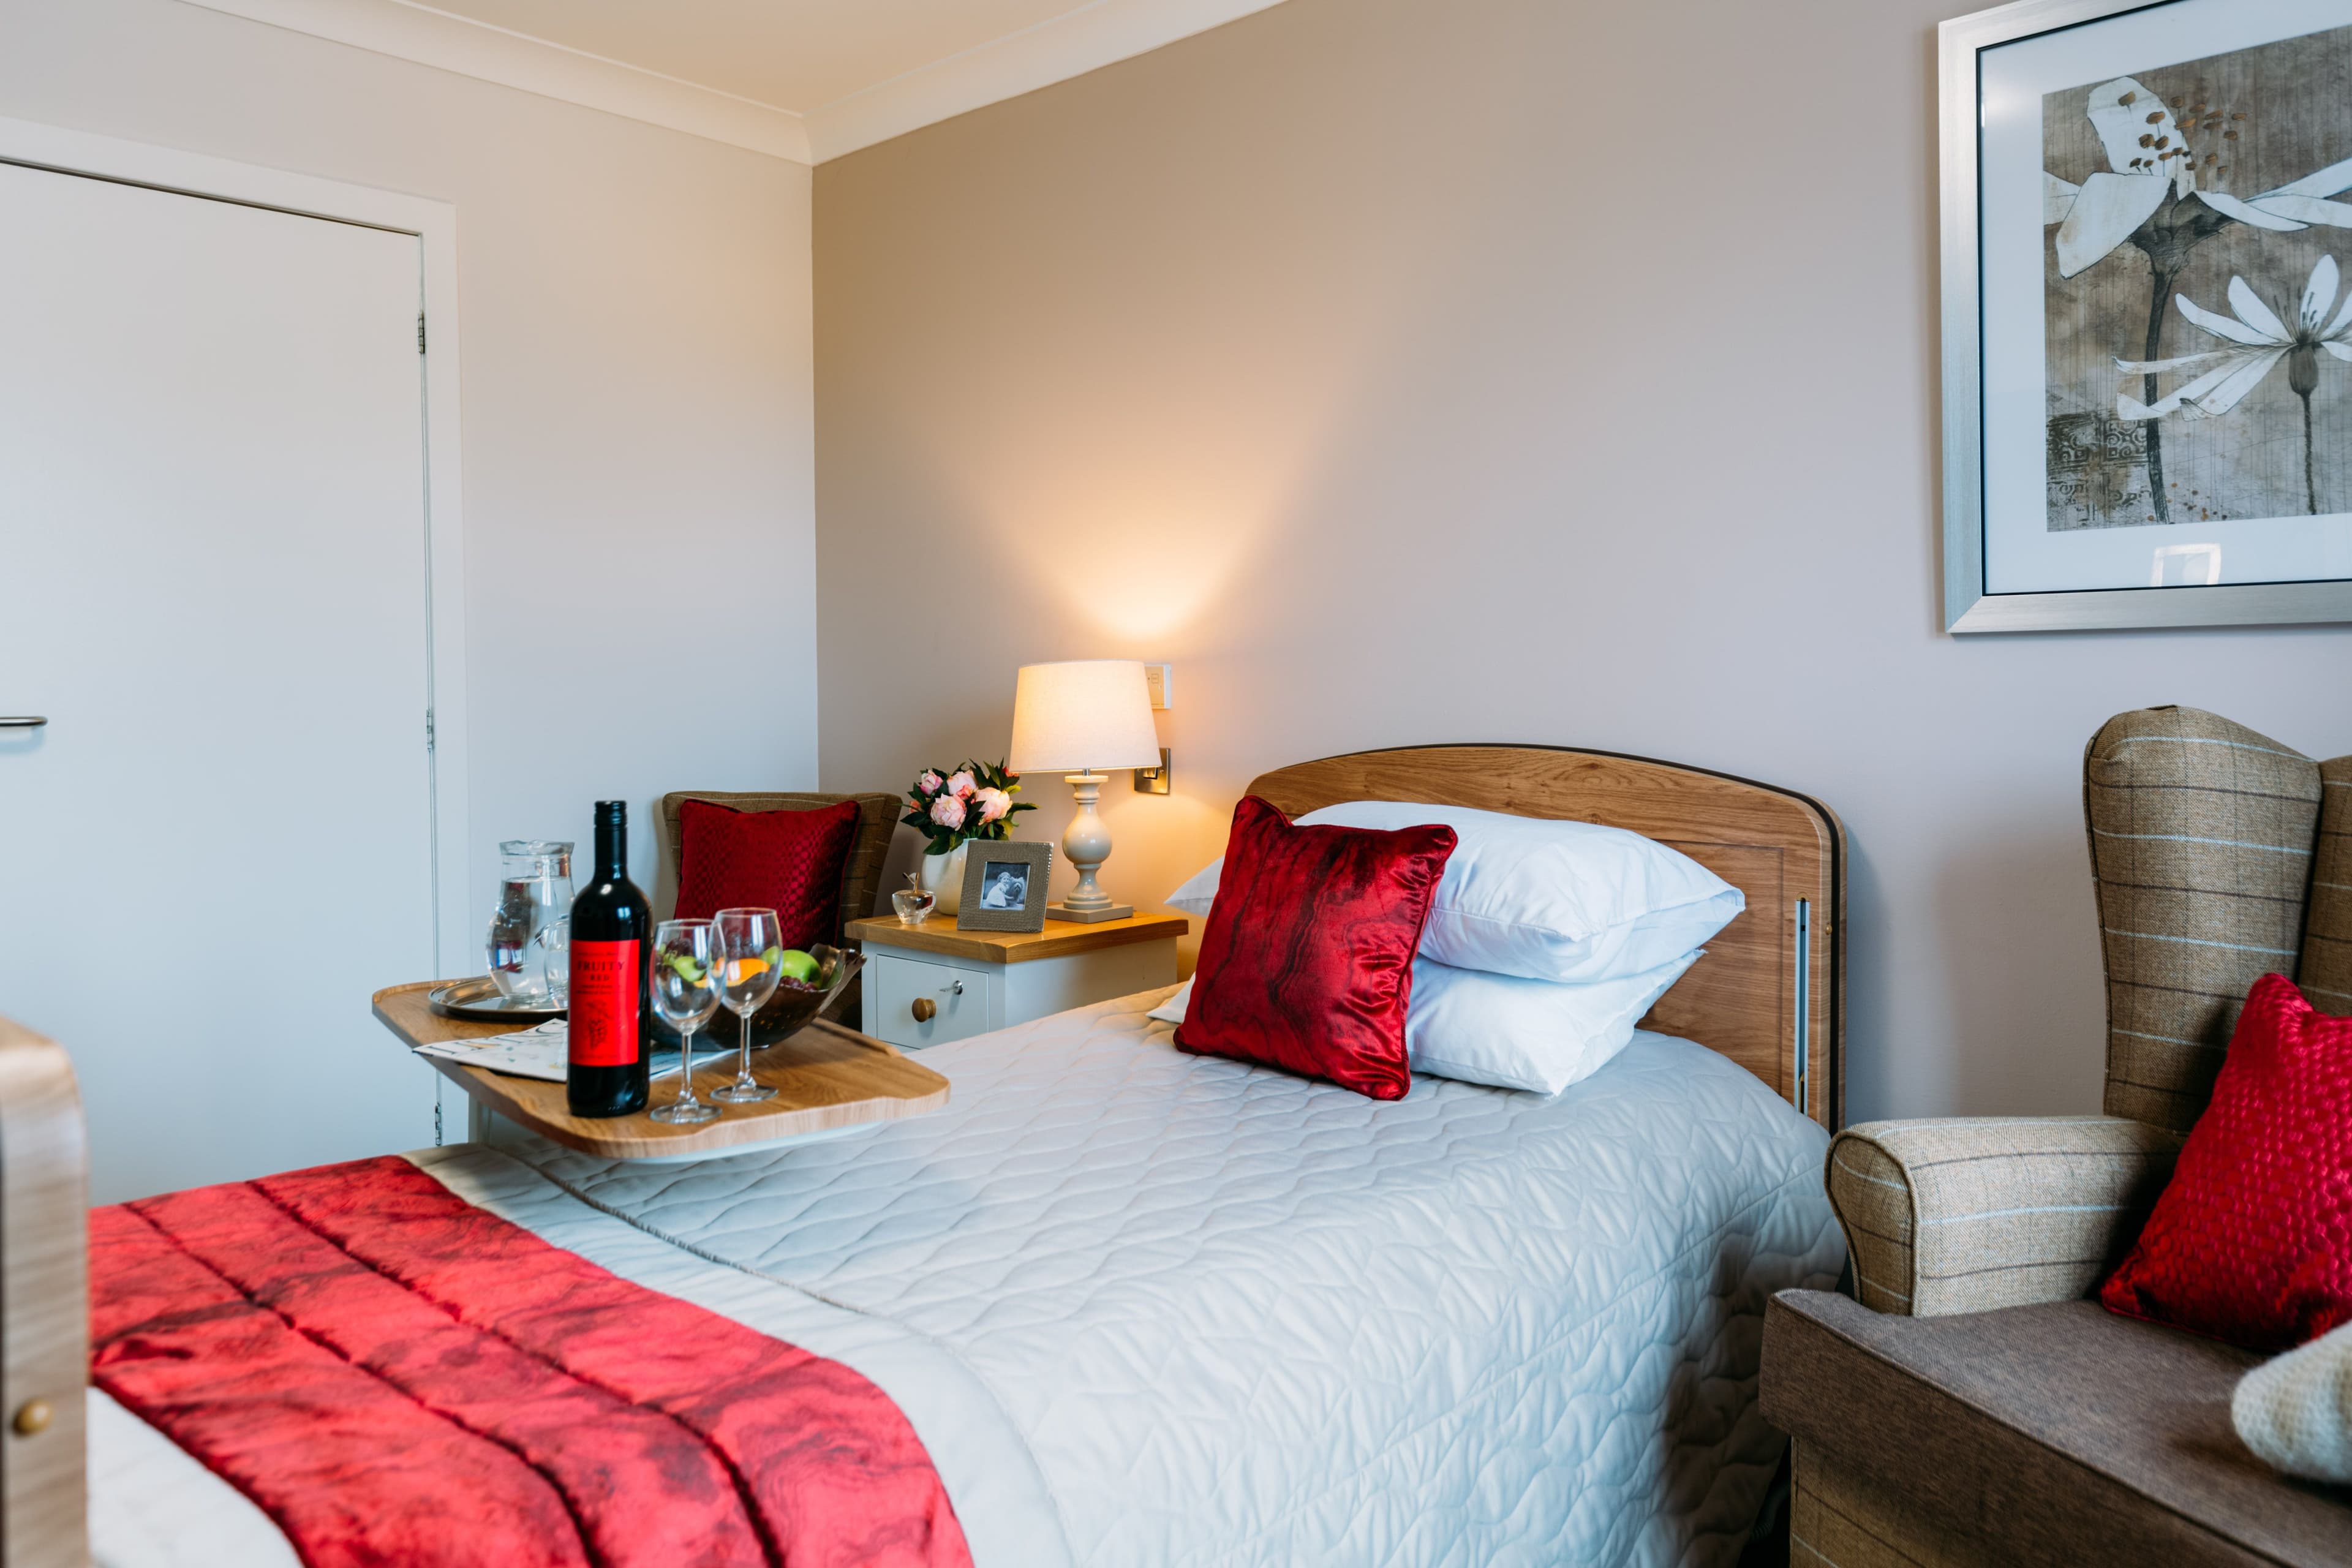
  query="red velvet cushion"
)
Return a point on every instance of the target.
[
  {"x": 2251, "y": 1242},
  {"x": 1307, "y": 962},
  {"x": 788, "y": 861}
]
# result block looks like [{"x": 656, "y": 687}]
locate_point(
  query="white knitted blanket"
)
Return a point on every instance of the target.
[{"x": 2294, "y": 1411}]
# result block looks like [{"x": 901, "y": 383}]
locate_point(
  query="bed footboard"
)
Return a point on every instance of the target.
[{"x": 44, "y": 1306}]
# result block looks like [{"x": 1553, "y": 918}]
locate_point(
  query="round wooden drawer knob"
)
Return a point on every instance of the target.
[
  {"x": 925, "y": 1009},
  {"x": 33, "y": 1416}
]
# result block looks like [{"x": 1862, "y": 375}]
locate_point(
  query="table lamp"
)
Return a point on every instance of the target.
[{"x": 1072, "y": 718}]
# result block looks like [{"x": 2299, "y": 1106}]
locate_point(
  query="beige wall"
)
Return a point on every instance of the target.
[
  {"x": 636, "y": 405},
  {"x": 1487, "y": 370}
]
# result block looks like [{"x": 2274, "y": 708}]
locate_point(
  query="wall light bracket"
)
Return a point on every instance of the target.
[{"x": 1154, "y": 781}]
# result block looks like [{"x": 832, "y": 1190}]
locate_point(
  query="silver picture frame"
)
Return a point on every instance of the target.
[
  {"x": 1967, "y": 606},
  {"x": 992, "y": 866}
]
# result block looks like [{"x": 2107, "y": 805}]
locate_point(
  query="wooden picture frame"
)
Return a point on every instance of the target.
[
  {"x": 2103, "y": 466},
  {"x": 996, "y": 871}
]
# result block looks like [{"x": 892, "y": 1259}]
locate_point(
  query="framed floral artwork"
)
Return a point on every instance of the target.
[{"x": 2147, "y": 315}]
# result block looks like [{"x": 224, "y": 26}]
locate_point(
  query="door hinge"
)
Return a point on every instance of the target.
[
  {"x": 420, "y": 331},
  {"x": 428, "y": 729}
]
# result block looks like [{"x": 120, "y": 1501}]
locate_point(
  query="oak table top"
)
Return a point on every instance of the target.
[
  {"x": 825, "y": 1077},
  {"x": 1059, "y": 940}
]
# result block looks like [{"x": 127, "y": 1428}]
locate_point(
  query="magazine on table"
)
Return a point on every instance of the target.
[{"x": 539, "y": 1053}]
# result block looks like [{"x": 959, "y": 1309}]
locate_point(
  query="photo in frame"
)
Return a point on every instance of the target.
[
  {"x": 1004, "y": 886},
  {"x": 2147, "y": 315}
]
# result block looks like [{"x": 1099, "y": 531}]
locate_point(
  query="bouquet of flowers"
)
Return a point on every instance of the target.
[{"x": 974, "y": 802}]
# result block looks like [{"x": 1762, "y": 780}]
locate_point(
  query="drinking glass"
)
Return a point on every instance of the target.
[
  {"x": 685, "y": 983},
  {"x": 750, "y": 946},
  {"x": 555, "y": 947}
]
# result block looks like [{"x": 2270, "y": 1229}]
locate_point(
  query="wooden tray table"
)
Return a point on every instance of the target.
[{"x": 826, "y": 1077}]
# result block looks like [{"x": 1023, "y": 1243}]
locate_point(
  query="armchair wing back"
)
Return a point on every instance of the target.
[
  {"x": 2326, "y": 974},
  {"x": 2218, "y": 855},
  {"x": 2201, "y": 840}
]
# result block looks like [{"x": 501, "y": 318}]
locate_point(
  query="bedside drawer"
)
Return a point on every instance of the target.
[{"x": 959, "y": 997}]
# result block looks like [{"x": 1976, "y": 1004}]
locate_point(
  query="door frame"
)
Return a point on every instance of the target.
[{"x": 434, "y": 224}]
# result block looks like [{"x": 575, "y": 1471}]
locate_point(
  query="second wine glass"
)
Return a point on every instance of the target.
[
  {"x": 685, "y": 982},
  {"x": 750, "y": 947}
]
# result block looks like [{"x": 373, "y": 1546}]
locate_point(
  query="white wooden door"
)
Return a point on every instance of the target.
[{"x": 212, "y": 583}]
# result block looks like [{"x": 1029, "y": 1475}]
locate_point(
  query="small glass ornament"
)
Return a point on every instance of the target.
[{"x": 914, "y": 901}]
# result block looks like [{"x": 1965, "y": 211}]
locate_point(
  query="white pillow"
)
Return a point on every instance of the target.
[
  {"x": 1566, "y": 902},
  {"x": 1510, "y": 1032}
]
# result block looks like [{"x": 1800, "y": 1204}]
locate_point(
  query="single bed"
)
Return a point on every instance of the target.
[{"x": 1146, "y": 1308}]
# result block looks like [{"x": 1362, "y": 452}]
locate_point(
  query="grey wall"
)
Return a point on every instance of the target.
[
  {"x": 636, "y": 404},
  {"x": 1488, "y": 370}
]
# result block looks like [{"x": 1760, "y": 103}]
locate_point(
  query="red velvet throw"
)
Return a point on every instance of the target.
[
  {"x": 2252, "y": 1240},
  {"x": 1306, "y": 962},
  {"x": 397, "y": 1377},
  {"x": 788, "y": 861}
]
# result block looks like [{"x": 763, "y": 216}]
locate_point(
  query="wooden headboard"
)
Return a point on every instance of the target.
[{"x": 1767, "y": 992}]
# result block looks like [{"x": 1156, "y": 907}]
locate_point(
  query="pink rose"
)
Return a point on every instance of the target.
[
  {"x": 961, "y": 784},
  {"x": 948, "y": 812},
  {"x": 993, "y": 803},
  {"x": 929, "y": 783}
]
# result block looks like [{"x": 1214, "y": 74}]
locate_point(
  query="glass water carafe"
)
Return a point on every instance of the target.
[{"x": 526, "y": 923}]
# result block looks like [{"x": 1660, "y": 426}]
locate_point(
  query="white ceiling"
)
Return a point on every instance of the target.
[{"x": 805, "y": 79}]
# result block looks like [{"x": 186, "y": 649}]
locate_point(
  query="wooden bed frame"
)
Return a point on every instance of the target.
[{"x": 1767, "y": 995}]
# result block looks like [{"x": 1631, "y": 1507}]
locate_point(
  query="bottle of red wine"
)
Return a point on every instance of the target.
[{"x": 612, "y": 930}]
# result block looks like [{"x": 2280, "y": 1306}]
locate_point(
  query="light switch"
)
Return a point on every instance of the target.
[{"x": 1156, "y": 680}]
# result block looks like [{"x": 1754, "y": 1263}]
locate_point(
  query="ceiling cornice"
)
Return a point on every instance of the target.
[
  {"x": 1063, "y": 46},
  {"x": 1072, "y": 44},
  {"x": 467, "y": 47}
]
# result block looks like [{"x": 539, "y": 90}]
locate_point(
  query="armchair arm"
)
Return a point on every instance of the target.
[{"x": 1970, "y": 1214}]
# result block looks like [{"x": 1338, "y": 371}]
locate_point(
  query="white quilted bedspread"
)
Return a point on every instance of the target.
[{"x": 1179, "y": 1310}]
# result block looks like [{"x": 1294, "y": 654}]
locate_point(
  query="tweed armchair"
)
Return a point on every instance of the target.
[
  {"x": 1970, "y": 1405},
  {"x": 861, "y": 873}
]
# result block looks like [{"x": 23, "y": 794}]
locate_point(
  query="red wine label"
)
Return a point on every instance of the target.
[{"x": 603, "y": 1030}]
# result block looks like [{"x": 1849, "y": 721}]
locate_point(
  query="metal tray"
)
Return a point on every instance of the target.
[{"x": 481, "y": 1000}]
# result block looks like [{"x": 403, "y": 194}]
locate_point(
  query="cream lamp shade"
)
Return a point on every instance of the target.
[
  {"x": 1072, "y": 718},
  {"x": 1085, "y": 714}
]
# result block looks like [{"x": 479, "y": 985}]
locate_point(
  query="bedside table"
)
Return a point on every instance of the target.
[{"x": 930, "y": 984}]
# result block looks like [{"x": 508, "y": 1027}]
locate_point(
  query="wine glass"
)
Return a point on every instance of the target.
[
  {"x": 685, "y": 984},
  {"x": 750, "y": 949}
]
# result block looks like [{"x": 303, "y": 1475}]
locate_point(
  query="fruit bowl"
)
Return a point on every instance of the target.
[{"x": 796, "y": 1002}]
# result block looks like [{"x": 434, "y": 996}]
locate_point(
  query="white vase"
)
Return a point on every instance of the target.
[{"x": 943, "y": 876}]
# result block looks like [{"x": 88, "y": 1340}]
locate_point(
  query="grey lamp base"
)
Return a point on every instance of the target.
[{"x": 1089, "y": 917}]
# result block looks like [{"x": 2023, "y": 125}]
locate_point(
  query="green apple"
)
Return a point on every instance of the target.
[{"x": 794, "y": 965}]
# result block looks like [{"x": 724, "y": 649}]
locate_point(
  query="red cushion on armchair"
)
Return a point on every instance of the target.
[
  {"x": 2251, "y": 1241},
  {"x": 1306, "y": 962},
  {"x": 788, "y": 861}
]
